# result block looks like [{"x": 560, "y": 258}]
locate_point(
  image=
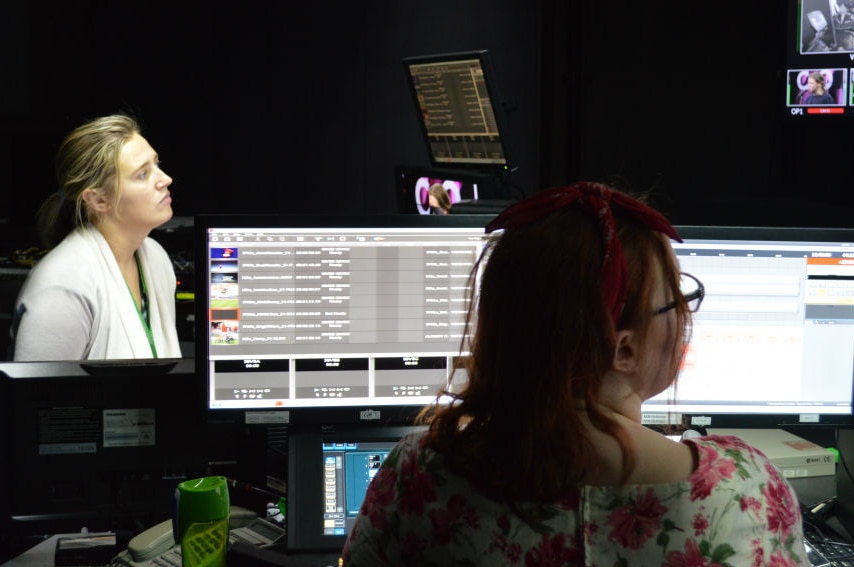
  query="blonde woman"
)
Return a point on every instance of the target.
[{"x": 105, "y": 289}]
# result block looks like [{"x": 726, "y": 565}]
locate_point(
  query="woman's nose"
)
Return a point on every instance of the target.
[{"x": 165, "y": 180}]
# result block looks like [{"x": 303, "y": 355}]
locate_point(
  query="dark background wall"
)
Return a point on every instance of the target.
[
  {"x": 304, "y": 107},
  {"x": 266, "y": 106}
]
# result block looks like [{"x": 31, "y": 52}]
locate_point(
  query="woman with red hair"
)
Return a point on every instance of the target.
[{"x": 580, "y": 313}]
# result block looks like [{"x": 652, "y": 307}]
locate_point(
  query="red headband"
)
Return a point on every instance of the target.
[{"x": 601, "y": 200}]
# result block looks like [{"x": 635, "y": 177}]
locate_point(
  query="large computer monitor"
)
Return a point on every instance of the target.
[
  {"x": 459, "y": 110},
  {"x": 339, "y": 319},
  {"x": 773, "y": 342},
  {"x": 333, "y": 324},
  {"x": 356, "y": 319},
  {"x": 99, "y": 445}
]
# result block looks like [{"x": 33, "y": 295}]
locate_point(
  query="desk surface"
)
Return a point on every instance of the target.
[
  {"x": 810, "y": 490},
  {"x": 40, "y": 555}
]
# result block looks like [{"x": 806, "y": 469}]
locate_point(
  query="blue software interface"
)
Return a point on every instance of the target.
[{"x": 348, "y": 468}]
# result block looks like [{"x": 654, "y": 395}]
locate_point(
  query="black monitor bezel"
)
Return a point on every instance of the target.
[
  {"x": 98, "y": 481},
  {"x": 498, "y": 108},
  {"x": 352, "y": 414}
]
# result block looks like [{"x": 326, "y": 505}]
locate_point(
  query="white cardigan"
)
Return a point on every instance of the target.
[{"x": 75, "y": 304}]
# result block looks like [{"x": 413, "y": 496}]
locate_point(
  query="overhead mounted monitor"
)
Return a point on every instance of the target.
[{"x": 459, "y": 110}]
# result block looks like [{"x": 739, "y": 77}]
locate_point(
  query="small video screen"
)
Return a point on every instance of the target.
[
  {"x": 436, "y": 196},
  {"x": 817, "y": 91},
  {"x": 428, "y": 191},
  {"x": 827, "y": 26}
]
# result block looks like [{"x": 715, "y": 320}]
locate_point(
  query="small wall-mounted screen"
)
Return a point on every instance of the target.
[
  {"x": 459, "y": 111},
  {"x": 819, "y": 51}
]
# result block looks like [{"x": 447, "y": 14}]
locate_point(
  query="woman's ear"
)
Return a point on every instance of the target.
[
  {"x": 96, "y": 200},
  {"x": 626, "y": 353}
]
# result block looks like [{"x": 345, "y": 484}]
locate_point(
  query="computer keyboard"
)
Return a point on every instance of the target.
[
  {"x": 829, "y": 553},
  {"x": 824, "y": 547}
]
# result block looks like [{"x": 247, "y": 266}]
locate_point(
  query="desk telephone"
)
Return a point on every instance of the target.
[{"x": 156, "y": 547}]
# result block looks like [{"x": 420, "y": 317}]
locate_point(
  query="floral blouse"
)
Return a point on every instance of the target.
[{"x": 736, "y": 509}]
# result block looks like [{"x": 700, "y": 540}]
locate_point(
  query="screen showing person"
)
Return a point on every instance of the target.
[
  {"x": 827, "y": 26},
  {"x": 438, "y": 199},
  {"x": 437, "y": 196},
  {"x": 819, "y": 41},
  {"x": 412, "y": 185},
  {"x": 816, "y": 87}
]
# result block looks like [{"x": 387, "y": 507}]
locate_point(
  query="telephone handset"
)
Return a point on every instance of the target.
[
  {"x": 152, "y": 543},
  {"x": 158, "y": 541}
]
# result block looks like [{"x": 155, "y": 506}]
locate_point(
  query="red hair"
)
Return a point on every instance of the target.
[{"x": 541, "y": 337}]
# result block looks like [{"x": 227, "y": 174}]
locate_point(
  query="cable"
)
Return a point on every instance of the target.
[
  {"x": 279, "y": 503},
  {"x": 815, "y": 518},
  {"x": 249, "y": 487}
]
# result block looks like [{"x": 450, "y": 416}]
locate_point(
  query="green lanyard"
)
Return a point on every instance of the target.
[{"x": 142, "y": 309}]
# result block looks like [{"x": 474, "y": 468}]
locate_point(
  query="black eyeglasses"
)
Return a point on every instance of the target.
[{"x": 693, "y": 293}]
